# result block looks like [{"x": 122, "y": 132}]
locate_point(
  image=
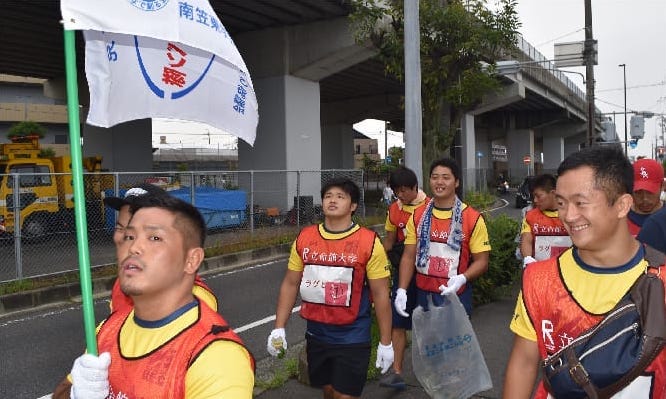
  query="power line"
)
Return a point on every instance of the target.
[
  {"x": 560, "y": 37},
  {"x": 662, "y": 83}
]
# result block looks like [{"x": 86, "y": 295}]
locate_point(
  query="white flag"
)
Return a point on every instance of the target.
[
  {"x": 133, "y": 77},
  {"x": 190, "y": 22}
]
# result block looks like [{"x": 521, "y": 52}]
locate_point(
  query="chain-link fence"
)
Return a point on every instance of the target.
[{"x": 37, "y": 230}]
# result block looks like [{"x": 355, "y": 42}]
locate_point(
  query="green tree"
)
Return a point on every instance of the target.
[
  {"x": 396, "y": 154},
  {"x": 458, "y": 37}
]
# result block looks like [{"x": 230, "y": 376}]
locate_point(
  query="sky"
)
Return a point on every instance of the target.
[{"x": 630, "y": 32}]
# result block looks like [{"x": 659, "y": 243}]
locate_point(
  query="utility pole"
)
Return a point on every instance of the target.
[
  {"x": 413, "y": 144},
  {"x": 590, "y": 55},
  {"x": 624, "y": 73}
]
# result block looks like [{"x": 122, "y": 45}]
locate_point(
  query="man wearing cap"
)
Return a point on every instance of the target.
[
  {"x": 122, "y": 205},
  {"x": 648, "y": 179}
]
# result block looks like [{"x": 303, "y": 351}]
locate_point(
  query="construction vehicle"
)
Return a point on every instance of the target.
[{"x": 45, "y": 192}]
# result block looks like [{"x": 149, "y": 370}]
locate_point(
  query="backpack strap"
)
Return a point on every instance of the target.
[{"x": 648, "y": 295}]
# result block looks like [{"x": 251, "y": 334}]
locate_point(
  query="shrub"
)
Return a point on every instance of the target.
[
  {"x": 26, "y": 128},
  {"x": 479, "y": 200},
  {"x": 503, "y": 267}
]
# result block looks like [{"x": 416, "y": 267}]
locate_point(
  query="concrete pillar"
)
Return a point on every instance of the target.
[
  {"x": 125, "y": 147},
  {"x": 288, "y": 138},
  {"x": 337, "y": 146},
  {"x": 469, "y": 159},
  {"x": 520, "y": 143},
  {"x": 553, "y": 153}
]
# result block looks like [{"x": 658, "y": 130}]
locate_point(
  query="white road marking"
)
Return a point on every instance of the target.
[{"x": 260, "y": 322}]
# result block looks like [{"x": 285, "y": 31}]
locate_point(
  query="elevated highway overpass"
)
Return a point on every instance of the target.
[{"x": 313, "y": 82}]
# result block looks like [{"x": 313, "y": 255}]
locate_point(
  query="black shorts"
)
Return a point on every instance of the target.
[
  {"x": 398, "y": 321},
  {"x": 344, "y": 366}
]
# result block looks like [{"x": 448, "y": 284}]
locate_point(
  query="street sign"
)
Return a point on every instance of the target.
[
  {"x": 388, "y": 159},
  {"x": 527, "y": 159}
]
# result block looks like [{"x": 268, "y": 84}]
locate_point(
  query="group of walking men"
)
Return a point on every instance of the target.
[{"x": 581, "y": 258}]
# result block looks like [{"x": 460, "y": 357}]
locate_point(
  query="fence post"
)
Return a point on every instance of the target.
[
  {"x": 251, "y": 209},
  {"x": 16, "y": 196},
  {"x": 297, "y": 205},
  {"x": 192, "y": 189}
]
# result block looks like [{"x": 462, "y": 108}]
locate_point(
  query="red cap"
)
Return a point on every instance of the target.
[{"x": 648, "y": 175}]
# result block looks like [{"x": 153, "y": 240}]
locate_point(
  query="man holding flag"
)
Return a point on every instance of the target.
[{"x": 169, "y": 343}]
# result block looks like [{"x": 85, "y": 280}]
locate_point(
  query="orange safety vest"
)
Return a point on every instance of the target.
[
  {"x": 119, "y": 300},
  {"x": 333, "y": 274},
  {"x": 161, "y": 373},
  {"x": 546, "y": 231},
  {"x": 439, "y": 269},
  {"x": 399, "y": 218},
  {"x": 557, "y": 319}
]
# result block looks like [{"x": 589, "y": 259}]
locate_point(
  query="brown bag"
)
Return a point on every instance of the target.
[{"x": 610, "y": 355}]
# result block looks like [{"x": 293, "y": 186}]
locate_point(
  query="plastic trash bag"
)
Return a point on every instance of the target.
[{"x": 446, "y": 355}]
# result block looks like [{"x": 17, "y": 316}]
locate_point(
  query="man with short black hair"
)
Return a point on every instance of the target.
[
  {"x": 563, "y": 297},
  {"x": 336, "y": 266},
  {"x": 168, "y": 343}
]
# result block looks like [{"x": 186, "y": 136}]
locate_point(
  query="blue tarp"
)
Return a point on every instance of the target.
[{"x": 220, "y": 208}]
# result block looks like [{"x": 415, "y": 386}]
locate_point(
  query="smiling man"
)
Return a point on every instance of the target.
[
  {"x": 563, "y": 297},
  {"x": 446, "y": 245}
]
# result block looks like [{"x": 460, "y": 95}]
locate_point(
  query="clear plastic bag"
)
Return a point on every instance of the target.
[{"x": 446, "y": 355}]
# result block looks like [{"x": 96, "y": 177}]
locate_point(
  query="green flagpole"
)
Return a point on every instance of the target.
[{"x": 79, "y": 195}]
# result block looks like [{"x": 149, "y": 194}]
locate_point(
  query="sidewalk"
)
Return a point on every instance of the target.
[{"x": 491, "y": 324}]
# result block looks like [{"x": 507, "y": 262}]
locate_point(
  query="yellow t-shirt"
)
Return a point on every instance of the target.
[
  {"x": 378, "y": 266},
  {"x": 596, "y": 290},
  {"x": 478, "y": 242},
  {"x": 222, "y": 370}
]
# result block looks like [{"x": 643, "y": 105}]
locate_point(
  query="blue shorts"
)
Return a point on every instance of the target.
[{"x": 438, "y": 300}]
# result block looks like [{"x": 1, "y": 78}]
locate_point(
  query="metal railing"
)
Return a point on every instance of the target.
[{"x": 234, "y": 204}]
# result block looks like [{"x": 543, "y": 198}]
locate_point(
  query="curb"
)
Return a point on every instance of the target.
[{"x": 71, "y": 292}]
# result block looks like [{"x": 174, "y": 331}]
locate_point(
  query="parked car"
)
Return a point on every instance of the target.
[{"x": 524, "y": 193}]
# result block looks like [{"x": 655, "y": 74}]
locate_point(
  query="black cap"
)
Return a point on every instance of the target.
[{"x": 142, "y": 189}]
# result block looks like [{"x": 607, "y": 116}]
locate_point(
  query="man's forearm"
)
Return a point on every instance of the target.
[{"x": 407, "y": 264}]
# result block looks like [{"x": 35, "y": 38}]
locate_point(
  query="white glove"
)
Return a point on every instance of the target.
[
  {"x": 277, "y": 342},
  {"x": 400, "y": 302},
  {"x": 384, "y": 356},
  {"x": 527, "y": 260},
  {"x": 455, "y": 283},
  {"x": 90, "y": 377}
]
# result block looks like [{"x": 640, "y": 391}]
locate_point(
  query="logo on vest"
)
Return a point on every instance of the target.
[{"x": 335, "y": 293}]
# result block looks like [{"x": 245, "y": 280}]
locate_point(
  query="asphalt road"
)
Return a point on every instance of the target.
[{"x": 38, "y": 347}]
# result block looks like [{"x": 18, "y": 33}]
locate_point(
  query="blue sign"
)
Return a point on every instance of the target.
[
  {"x": 633, "y": 143},
  {"x": 388, "y": 159}
]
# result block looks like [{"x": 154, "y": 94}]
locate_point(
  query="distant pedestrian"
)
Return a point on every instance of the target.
[
  {"x": 387, "y": 194},
  {"x": 337, "y": 266}
]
